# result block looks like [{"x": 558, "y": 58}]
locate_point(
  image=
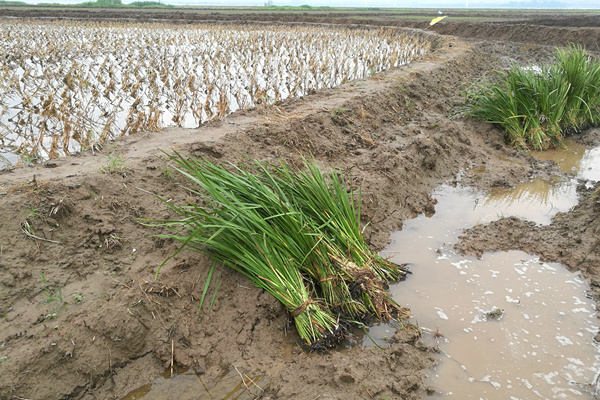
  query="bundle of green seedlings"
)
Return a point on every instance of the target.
[
  {"x": 294, "y": 233},
  {"x": 537, "y": 107}
]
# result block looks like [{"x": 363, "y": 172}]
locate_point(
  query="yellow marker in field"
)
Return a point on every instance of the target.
[{"x": 436, "y": 20}]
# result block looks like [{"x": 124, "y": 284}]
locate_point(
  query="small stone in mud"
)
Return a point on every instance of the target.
[
  {"x": 597, "y": 337},
  {"x": 495, "y": 314}
]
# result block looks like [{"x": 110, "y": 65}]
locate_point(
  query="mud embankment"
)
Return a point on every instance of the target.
[{"x": 551, "y": 30}]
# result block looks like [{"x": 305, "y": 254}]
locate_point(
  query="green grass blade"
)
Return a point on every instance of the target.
[{"x": 206, "y": 285}]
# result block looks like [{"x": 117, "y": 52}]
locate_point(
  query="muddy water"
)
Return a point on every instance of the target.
[
  {"x": 568, "y": 158},
  {"x": 513, "y": 327},
  {"x": 588, "y": 168},
  {"x": 575, "y": 159},
  {"x": 187, "y": 385},
  {"x": 539, "y": 200},
  {"x": 508, "y": 325}
]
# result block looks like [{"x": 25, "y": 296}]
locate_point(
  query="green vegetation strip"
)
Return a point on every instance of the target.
[
  {"x": 537, "y": 107},
  {"x": 293, "y": 232}
]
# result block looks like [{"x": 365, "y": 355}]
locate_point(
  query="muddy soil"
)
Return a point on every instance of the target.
[{"x": 82, "y": 316}]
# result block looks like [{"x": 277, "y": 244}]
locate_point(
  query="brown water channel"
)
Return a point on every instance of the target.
[
  {"x": 539, "y": 200},
  {"x": 508, "y": 325}
]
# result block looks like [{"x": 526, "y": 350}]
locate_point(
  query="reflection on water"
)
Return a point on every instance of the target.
[
  {"x": 538, "y": 340},
  {"x": 187, "y": 385},
  {"x": 539, "y": 200},
  {"x": 567, "y": 159},
  {"x": 575, "y": 159},
  {"x": 589, "y": 167}
]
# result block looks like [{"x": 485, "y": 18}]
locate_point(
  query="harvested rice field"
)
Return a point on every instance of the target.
[
  {"x": 97, "y": 82},
  {"x": 240, "y": 204}
]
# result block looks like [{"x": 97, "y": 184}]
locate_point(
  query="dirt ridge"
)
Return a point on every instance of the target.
[{"x": 551, "y": 30}]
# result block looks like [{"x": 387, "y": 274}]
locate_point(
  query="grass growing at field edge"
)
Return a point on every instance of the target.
[
  {"x": 115, "y": 165},
  {"x": 538, "y": 106}
]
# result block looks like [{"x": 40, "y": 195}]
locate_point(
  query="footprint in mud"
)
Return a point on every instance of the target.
[{"x": 188, "y": 385}]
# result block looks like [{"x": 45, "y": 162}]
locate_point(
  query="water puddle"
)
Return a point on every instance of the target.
[
  {"x": 588, "y": 167},
  {"x": 575, "y": 159},
  {"x": 508, "y": 325},
  {"x": 513, "y": 327},
  {"x": 568, "y": 159},
  {"x": 187, "y": 385},
  {"x": 539, "y": 200}
]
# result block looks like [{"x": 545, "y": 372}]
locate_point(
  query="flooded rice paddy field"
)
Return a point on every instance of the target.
[
  {"x": 507, "y": 325},
  {"x": 72, "y": 86}
]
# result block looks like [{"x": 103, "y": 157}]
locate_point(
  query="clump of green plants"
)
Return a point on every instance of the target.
[
  {"x": 115, "y": 165},
  {"x": 537, "y": 107},
  {"x": 295, "y": 232},
  {"x": 52, "y": 295}
]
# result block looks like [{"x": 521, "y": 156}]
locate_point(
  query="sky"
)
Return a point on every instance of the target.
[{"x": 383, "y": 3}]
